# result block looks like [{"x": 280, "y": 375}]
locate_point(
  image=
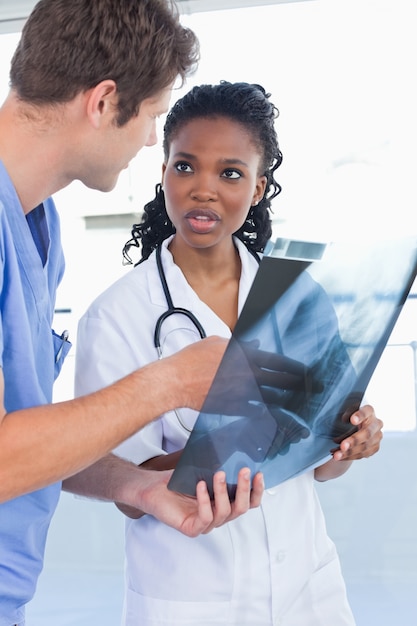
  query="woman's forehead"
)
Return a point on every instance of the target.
[{"x": 222, "y": 128}]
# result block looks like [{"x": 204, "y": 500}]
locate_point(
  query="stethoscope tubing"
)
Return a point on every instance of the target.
[{"x": 172, "y": 310}]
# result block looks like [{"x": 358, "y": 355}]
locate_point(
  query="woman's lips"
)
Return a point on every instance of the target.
[{"x": 202, "y": 220}]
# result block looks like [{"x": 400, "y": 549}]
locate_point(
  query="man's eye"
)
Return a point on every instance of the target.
[
  {"x": 183, "y": 167},
  {"x": 232, "y": 174}
]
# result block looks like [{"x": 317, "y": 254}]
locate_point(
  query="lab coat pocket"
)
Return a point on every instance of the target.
[
  {"x": 61, "y": 348},
  {"x": 142, "y": 610},
  {"x": 323, "y": 599}
]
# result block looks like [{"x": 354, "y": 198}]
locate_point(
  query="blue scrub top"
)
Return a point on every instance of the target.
[{"x": 28, "y": 349}]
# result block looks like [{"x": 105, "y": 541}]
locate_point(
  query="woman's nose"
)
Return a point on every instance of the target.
[{"x": 204, "y": 189}]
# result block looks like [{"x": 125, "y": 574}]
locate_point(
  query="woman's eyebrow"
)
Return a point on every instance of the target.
[
  {"x": 234, "y": 162},
  {"x": 184, "y": 155},
  {"x": 225, "y": 161}
]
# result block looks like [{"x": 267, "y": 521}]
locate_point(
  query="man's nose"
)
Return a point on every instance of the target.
[{"x": 152, "y": 137}]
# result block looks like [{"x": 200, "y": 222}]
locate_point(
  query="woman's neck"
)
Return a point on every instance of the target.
[{"x": 214, "y": 275}]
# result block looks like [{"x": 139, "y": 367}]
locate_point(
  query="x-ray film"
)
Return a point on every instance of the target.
[{"x": 309, "y": 337}]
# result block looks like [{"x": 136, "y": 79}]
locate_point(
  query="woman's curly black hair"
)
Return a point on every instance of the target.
[{"x": 247, "y": 104}]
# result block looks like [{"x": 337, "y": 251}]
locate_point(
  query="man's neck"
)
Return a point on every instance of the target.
[{"x": 29, "y": 152}]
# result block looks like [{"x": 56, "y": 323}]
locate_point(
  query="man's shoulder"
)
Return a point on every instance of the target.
[
  {"x": 4, "y": 225},
  {"x": 5, "y": 181}
]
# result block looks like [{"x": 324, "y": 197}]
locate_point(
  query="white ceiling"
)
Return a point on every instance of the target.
[{"x": 13, "y": 13}]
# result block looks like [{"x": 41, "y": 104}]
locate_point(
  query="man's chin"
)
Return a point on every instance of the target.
[{"x": 103, "y": 185}]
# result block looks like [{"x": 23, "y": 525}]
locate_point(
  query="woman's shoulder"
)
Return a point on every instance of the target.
[{"x": 130, "y": 287}]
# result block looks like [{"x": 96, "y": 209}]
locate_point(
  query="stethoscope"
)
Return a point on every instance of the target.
[{"x": 172, "y": 310}]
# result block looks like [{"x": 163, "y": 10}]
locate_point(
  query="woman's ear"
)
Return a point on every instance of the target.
[
  {"x": 102, "y": 103},
  {"x": 259, "y": 190},
  {"x": 164, "y": 167}
]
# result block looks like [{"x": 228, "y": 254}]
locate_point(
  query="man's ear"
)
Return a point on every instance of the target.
[{"x": 102, "y": 102}]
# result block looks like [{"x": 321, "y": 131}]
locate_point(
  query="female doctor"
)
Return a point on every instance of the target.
[{"x": 200, "y": 240}]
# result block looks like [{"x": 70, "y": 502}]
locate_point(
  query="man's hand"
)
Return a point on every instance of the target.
[
  {"x": 191, "y": 371},
  {"x": 242, "y": 375},
  {"x": 199, "y": 515},
  {"x": 248, "y": 377}
]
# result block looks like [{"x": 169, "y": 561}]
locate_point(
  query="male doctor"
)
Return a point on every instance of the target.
[{"x": 88, "y": 80}]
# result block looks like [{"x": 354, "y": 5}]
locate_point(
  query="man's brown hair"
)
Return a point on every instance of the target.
[{"x": 69, "y": 46}]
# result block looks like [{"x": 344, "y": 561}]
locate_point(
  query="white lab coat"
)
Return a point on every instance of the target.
[{"x": 273, "y": 565}]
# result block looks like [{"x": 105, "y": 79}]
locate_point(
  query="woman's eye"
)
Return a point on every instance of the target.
[
  {"x": 183, "y": 167},
  {"x": 232, "y": 174}
]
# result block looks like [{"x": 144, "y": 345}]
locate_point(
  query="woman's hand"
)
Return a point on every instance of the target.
[
  {"x": 365, "y": 441},
  {"x": 361, "y": 444}
]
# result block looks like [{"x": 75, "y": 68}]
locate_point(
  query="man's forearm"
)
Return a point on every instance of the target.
[
  {"x": 45, "y": 444},
  {"x": 104, "y": 480}
]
